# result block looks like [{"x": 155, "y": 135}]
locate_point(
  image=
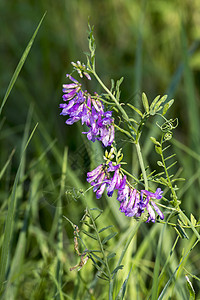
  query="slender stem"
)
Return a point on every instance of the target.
[
  {"x": 142, "y": 164},
  {"x": 111, "y": 289},
  {"x": 124, "y": 114},
  {"x": 104, "y": 258},
  {"x": 129, "y": 174},
  {"x": 169, "y": 181},
  {"x": 100, "y": 244}
]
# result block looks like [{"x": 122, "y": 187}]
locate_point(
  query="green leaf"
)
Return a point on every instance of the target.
[
  {"x": 167, "y": 106},
  {"x": 145, "y": 102},
  {"x": 101, "y": 270},
  {"x": 178, "y": 179},
  {"x": 164, "y": 181},
  {"x": 181, "y": 232},
  {"x": 6, "y": 164},
  {"x": 120, "y": 267},
  {"x": 99, "y": 259},
  {"x": 123, "y": 131},
  {"x": 157, "y": 106},
  {"x": 171, "y": 165},
  {"x": 166, "y": 148},
  {"x": 170, "y": 156},
  {"x": 190, "y": 288},
  {"x": 135, "y": 109},
  {"x": 112, "y": 85},
  {"x": 133, "y": 120},
  {"x": 10, "y": 217},
  {"x": 119, "y": 82},
  {"x": 109, "y": 237},
  {"x": 87, "y": 224},
  {"x": 122, "y": 291},
  {"x": 157, "y": 265},
  {"x": 91, "y": 235},
  {"x": 104, "y": 278},
  {"x": 158, "y": 150},
  {"x": 20, "y": 65},
  {"x": 160, "y": 164},
  {"x": 96, "y": 208},
  {"x": 183, "y": 219},
  {"x": 155, "y": 141},
  {"x": 153, "y": 104},
  {"x": 193, "y": 220},
  {"x": 105, "y": 228},
  {"x": 95, "y": 218},
  {"x": 111, "y": 255}
]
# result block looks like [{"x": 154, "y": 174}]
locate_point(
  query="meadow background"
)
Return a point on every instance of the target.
[{"x": 155, "y": 46}]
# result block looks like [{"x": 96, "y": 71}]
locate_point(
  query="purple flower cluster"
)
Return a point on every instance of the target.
[
  {"x": 133, "y": 202},
  {"x": 82, "y": 106},
  {"x": 100, "y": 179}
]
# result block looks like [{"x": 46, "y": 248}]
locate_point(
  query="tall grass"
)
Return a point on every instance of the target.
[{"x": 42, "y": 181}]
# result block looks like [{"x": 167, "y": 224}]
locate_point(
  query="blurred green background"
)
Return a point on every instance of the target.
[{"x": 154, "y": 45}]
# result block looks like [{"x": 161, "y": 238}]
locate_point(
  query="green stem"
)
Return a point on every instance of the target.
[
  {"x": 139, "y": 153},
  {"x": 169, "y": 181},
  {"x": 124, "y": 114},
  {"x": 111, "y": 289},
  {"x": 102, "y": 249}
]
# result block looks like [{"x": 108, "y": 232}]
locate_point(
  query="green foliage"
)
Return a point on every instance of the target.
[{"x": 190, "y": 288}]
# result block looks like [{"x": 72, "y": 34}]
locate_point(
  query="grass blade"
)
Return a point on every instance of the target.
[
  {"x": 10, "y": 218},
  {"x": 122, "y": 291},
  {"x": 20, "y": 65},
  {"x": 15, "y": 272},
  {"x": 157, "y": 266},
  {"x": 59, "y": 267},
  {"x": 6, "y": 164}
]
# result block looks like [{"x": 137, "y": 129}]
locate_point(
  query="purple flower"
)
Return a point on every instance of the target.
[
  {"x": 91, "y": 176},
  {"x": 132, "y": 202},
  {"x": 124, "y": 198},
  {"x": 157, "y": 210},
  {"x": 157, "y": 195},
  {"x": 152, "y": 216},
  {"x": 132, "y": 207},
  {"x": 100, "y": 178},
  {"x": 87, "y": 75},
  {"x": 135, "y": 203},
  {"x": 113, "y": 182},
  {"x": 90, "y": 110},
  {"x": 100, "y": 128}
]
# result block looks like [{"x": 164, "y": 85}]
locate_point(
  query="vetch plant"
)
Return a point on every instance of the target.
[{"x": 136, "y": 197}]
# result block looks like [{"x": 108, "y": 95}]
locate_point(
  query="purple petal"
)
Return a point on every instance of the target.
[
  {"x": 152, "y": 216},
  {"x": 71, "y": 78},
  {"x": 70, "y": 86},
  {"x": 158, "y": 193},
  {"x": 101, "y": 190},
  {"x": 96, "y": 172},
  {"x": 71, "y": 121},
  {"x": 123, "y": 183},
  {"x": 87, "y": 75},
  {"x": 69, "y": 96},
  {"x": 132, "y": 199},
  {"x": 112, "y": 168},
  {"x": 159, "y": 212},
  {"x": 111, "y": 187},
  {"x": 112, "y": 135}
]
